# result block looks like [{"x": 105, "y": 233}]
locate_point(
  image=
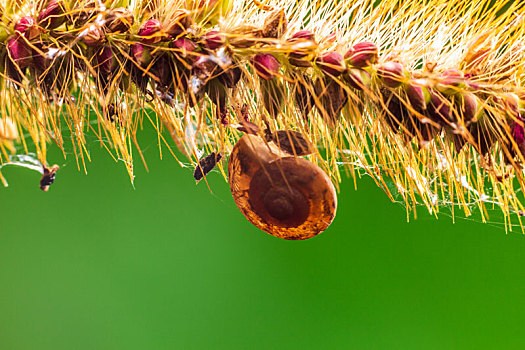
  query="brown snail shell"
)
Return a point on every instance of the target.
[{"x": 285, "y": 196}]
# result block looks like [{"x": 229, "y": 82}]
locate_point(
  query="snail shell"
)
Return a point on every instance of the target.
[{"x": 287, "y": 197}]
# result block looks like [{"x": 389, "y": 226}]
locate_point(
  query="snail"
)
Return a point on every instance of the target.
[{"x": 286, "y": 196}]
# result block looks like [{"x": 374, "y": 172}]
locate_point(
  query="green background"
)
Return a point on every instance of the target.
[{"x": 96, "y": 264}]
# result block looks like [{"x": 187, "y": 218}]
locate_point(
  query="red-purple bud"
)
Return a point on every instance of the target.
[
  {"x": 150, "y": 31},
  {"x": 28, "y": 27},
  {"x": 450, "y": 82},
  {"x": 439, "y": 109},
  {"x": 184, "y": 47},
  {"x": 518, "y": 133},
  {"x": 141, "y": 55},
  {"x": 266, "y": 66},
  {"x": 106, "y": 60},
  {"x": 469, "y": 107},
  {"x": 392, "y": 74},
  {"x": 137, "y": 51},
  {"x": 302, "y": 35},
  {"x": 362, "y": 55},
  {"x": 299, "y": 56},
  {"x": 19, "y": 51},
  {"x": 184, "y": 44},
  {"x": 213, "y": 40},
  {"x": 331, "y": 63},
  {"x": 418, "y": 95},
  {"x": 358, "y": 78},
  {"x": 24, "y": 24},
  {"x": 53, "y": 15}
]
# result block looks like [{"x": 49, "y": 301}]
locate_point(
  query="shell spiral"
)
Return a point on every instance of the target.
[{"x": 286, "y": 196}]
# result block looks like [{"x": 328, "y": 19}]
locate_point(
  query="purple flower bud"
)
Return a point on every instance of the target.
[
  {"x": 392, "y": 74},
  {"x": 106, "y": 60},
  {"x": 141, "y": 55},
  {"x": 518, "y": 133},
  {"x": 331, "y": 63},
  {"x": 19, "y": 51},
  {"x": 439, "y": 108},
  {"x": 28, "y": 27},
  {"x": 299, "y": 57},
  {"x": 266, "y": 66},
  {"x": 213, "y": 40},
  {"x": 24, "y": 24},
  {"x": 150, "y": 31},
  {"x": 451, "y": 82},
  {"x": 53, "y": 15},
  {"x": 184, "y": 44},
  {"x": 184, "y": 47},
  {"x": 469, "y": 107},
  {"x": 362, "y": 55},
  {"x": 119, "y": 20},
  {"x": 303, "y": 35},
  {"x": 359, "y": 79},
  {"x": 418, "y": 95}
]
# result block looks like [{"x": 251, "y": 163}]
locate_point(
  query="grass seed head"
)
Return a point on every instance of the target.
[
  {"x": 392, "y": 74},
  {"x": 362, "y": 55},
  {"x": 266, "y": 65},
  {"x": 331, "y": 63},
  {"x": 405, "y": 105}
]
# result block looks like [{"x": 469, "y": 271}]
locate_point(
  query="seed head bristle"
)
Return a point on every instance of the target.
[{"x": 427, "y": 98}]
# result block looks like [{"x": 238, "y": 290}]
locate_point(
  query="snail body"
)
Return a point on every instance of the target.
[{"x": 286, "y": 196}]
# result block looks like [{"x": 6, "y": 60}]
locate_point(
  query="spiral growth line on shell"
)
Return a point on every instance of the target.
[{"x": 425, "y": 97}]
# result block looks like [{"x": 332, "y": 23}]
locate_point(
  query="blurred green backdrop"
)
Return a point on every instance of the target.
[{"x": 96, "y": 264}]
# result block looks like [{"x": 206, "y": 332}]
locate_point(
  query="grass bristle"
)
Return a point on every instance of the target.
[{"x": 71, "y": 89}]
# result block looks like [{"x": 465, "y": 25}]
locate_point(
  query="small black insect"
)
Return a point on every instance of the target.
[
  {"x": 206, "y": 165},
  {"x": 48, "y": 178},
  {"x": 111, "y": 112}
]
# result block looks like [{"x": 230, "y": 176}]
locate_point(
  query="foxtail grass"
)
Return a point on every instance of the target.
[{"x": 425, "y": 97}]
